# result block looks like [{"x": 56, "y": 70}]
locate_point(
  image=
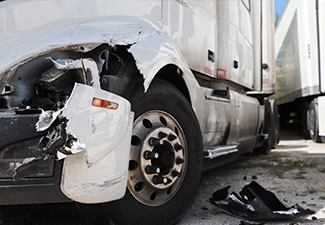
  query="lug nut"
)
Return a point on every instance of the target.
[
  {"x": 162, "y": 135},
  {"x": 158, "y": 179},
  {"x": 155, "y": 142},
  {"x": 178, "y": 147},
  {"x": 171, "y": 137},
  {"x": 152, "y": 169},
  {"x": 175, "y": 173},
  {"x": 179, "y": 160},
  {"x": 150, "y": 155},
  {"x": 168, "y": 181}
]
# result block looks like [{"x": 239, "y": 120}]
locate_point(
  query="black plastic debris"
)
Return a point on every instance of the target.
[
  {"x": 247, "y": 223},
  {"x": 221, "y": 194},
  {"x": 255, "y": 203}
]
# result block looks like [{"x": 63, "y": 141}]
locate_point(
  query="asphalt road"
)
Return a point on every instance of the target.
[{"x": 292, "y": 172}]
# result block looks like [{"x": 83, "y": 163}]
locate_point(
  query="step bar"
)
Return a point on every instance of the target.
[{"x": 219, "y": 151}]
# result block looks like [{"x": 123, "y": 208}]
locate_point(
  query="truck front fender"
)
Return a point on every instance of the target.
[
  {"x": 151, "y": 49},
  {"x": 152, "y": 52}
]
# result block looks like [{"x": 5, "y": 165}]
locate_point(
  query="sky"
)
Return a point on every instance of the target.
[{"x": 278, "y": 6}]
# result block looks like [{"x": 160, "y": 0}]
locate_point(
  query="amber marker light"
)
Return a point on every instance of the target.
[{"x": 104, "y": 104}]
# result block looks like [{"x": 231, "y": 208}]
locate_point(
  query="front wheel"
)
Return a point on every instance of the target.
[{"x": 165, "y": 159}]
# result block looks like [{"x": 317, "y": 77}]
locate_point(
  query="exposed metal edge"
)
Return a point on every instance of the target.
[
  {"x": 214, "y": 98},
  {"x": 220, "y": 150}
]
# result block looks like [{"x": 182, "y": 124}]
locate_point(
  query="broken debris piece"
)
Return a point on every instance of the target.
[
  {"x": 255, "y": 203},
  {"x": 247, "y": 223},
  {"x": 221, "y": 194}
]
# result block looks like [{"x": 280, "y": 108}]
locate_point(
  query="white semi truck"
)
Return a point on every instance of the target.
[
  {"x": 120, "y": 105},
  {"x": 300, "y": 75}
]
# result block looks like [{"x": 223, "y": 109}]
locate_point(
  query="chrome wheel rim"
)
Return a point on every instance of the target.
[{"x": 158, "y": 158}]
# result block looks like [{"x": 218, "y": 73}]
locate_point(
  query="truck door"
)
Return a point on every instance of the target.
[{"x": 192, "y": 26}]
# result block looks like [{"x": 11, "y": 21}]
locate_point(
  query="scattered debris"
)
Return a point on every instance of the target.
[
  {"x": 255, "y": 203},
  {"x": 221, "y": 194},
  {"x": 247, "y": 223},
  {"x": 311, "y": 204}
]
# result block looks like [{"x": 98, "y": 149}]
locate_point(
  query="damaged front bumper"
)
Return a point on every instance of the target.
[
  {"x": 99, "y": 173},
  {"x": 93, "y": 138}
]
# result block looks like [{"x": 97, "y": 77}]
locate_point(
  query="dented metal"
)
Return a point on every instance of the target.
[
  {"x": 81, "y": 47},
  {"x": 100, "y": 135},
  {"x": 75, "y": 127},
  {"x": 102, "y": 182},
  {"x": 86, "y": 65},
  {"x": 99, "y": 128}
]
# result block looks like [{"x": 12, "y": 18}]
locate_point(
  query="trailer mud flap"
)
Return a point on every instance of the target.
[{"x": 321, "y": 119}]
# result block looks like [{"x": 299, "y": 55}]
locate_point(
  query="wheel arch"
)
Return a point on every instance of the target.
[{"x": 173, "y": 75}]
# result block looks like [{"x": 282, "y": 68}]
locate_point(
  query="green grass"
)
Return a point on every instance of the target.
[
  {"x": 300, "y": 175},
  {"x": 311, "y": 190}
]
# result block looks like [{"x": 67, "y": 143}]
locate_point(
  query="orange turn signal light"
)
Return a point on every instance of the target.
[{"x": 104, "y": 104}]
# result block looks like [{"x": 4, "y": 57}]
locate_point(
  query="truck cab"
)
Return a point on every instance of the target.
[{"x": 120, "y": 106}]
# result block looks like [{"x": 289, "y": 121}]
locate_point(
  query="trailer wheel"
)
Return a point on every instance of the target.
[
  {"x": 165, "y": 160},
  {"x": 312, "y": 120}
]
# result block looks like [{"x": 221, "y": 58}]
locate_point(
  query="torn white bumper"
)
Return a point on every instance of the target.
[{"x": 98, "y": 174}]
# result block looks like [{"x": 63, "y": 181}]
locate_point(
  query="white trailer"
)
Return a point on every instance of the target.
[
  {"x": 120, "y": 104},
  {"x": 300, "y": 75}
]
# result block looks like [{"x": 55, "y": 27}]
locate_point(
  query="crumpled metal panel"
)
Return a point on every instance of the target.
[
  {"x": 84, "y": 64},
  {"x": 102, "y": 182},
  {"x": 101, "y": 130},
  {"x": 151, "y": 49}
]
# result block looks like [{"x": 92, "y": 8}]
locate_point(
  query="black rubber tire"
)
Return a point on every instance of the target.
[
  {"x": 269, "y": 128},
  {"x": 128, "y": 210},
  {"x": 312, "y": 120},
  {"x": 304, "y": 108}
]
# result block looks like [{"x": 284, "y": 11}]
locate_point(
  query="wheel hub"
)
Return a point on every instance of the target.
[{"x": 158, "y": 158}]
